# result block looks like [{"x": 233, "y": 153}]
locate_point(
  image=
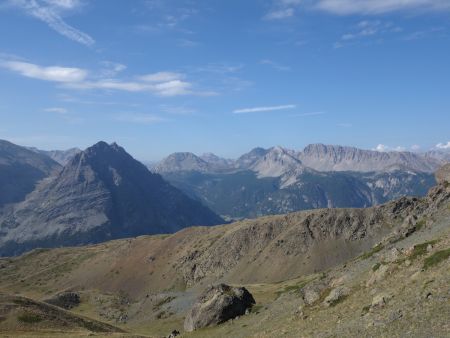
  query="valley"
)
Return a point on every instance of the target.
[{"x": 388, "y": 273}]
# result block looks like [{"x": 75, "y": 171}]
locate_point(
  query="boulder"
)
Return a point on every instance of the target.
[
  {"x": 336, "y": 295},
  {"x": 66, "y": 300},
  {"x": 310, "y": 296},
  {"x": 216, "y": 305}
]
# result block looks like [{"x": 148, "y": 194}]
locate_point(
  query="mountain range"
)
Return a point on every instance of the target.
[
  {"x": 278, "y": 180},
  {"x": 20, "y": 170},
  {"x": 101, "y": 193}
]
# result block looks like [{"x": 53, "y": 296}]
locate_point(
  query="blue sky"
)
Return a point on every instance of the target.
[{"x": 159, "y": 76}]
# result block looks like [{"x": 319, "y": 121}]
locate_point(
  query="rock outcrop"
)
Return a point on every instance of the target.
[
  {"x": 217, "y": 305},
  {"x": 66, "y": 300}
]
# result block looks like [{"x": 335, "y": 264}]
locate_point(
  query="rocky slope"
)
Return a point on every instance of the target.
[
  {"x": 337, "y": 158},
  {"x": 101, "y": 194},
  {"x": 322, "y": 273},
  {"x": 20, "y": 171}
]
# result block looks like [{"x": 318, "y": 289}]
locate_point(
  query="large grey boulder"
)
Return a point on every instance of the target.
[{"x": 218, "y": 304}]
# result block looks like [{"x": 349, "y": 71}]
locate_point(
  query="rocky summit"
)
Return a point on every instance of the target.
[{"x": 102, "y": 193}]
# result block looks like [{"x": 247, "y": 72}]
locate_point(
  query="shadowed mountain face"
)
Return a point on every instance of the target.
[
  {"x": 101, "y": 194},
  {"x": 20, "y": 170}
]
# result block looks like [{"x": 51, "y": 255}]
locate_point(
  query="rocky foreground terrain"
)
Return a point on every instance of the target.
[{"x": 377, "y": 272}]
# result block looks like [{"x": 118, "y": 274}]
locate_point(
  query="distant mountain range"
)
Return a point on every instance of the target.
[
  {"x": 20, "y": 170},
  {"x": 102, "y": 193},
  {"x": 60, "y": 156},
  {"x": 319, "y": 157},
  {"x": 279, "y": 180}
]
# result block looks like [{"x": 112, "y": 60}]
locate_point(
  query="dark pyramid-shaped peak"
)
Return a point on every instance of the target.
[{"x": 102, "y": 193}]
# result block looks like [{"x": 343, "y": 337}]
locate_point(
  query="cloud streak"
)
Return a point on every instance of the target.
[
  {"x": 349, "y": 7},
  {"x": 53, "y": 73},
  {"x": 139, "y": 118},
  {"x": 50, "y": 12},
  {"x": 263, "y": 109},
  {"x": 161, "y": 83}
]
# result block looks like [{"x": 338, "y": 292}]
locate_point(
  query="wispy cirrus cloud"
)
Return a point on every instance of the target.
[
  {"x": 282, "y": 9},
  {"x": 139, "y": 118},
  {"x": 51, "y": 12},
  {"x": 348, "y": 7},
  {"x": 275, "y": 65},
  {"x": 57, "y": 110},
  {"x": 264, "y": 109},
  {"x": 367, "y": 29},
  {"x": 160, "y": 83}
]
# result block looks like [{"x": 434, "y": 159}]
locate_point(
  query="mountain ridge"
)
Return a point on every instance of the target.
[{"x": 102, "y": 193}]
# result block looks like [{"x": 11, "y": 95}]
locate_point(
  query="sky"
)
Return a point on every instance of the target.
[{"x": 160, "y": 76}]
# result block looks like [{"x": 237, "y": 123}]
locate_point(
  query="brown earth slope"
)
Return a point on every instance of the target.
[{"x": 292, "y": 264}]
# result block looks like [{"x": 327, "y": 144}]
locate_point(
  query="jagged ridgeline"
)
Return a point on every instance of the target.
[
  {"x": 102, "y": 193},
  {"x": 278, "y": 180}
]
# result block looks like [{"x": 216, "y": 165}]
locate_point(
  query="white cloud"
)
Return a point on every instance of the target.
[
  {"x": 346, "y": 7},
  {"x": 385, "y": 148},
  {"x": 110, "y": 69},
  {"x": 139, "y": 118},
  {"x": 58, "y": 110},
  {"x": 169, "y": 88},
  {"x": 280, "y": 14},
  {"x": 275, "y": 65},
  {"x": 367, "y": 29},
  {"x": 161, "y": 77},
  {"x": 282, "y": 9},
  {"x": 162, "y": 83},
  {"x": 54, "y": 73},
  {"x": 263, "y": 109},
  {"x": 443, "y": 145},
  {"x": 415, "y": 147},
  {"x": 50, "y": 12}
]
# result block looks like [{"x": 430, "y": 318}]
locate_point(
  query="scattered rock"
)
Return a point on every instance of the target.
[
  {"x": 379, "y": 301},
  {"x": 392, "y": 255},
  {"x": 336, "y": 295},
  {"x": 378, "y": 275},
  {"x": 66, "y": 300},
  {"x": 218, "y": 304},
  {"x": 429, "y": 248},
  {"x": 173, "y": 334},
  {"x": 395, "y": 315},
  {"x": 310, "y": 296}
]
